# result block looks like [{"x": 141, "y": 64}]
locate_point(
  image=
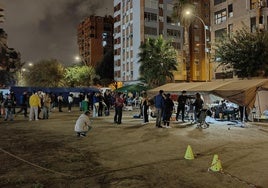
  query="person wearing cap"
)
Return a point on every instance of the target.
[{"x": 82, "y": 125}]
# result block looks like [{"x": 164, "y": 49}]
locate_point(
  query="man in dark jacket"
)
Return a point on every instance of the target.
[
  {"x": 159, "y": 106},
  {"x": 24, "y": 101},
  {"x": 9, "y": 105},
  {"x": 181, "y": 105},
  {"x": 168, "y": 110}
]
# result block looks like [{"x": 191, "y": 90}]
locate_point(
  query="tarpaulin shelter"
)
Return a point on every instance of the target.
[
  {"x": 131, "y": 88},
  {"x": 241, "y": 92},
  {"x": 65, "y": 91}
]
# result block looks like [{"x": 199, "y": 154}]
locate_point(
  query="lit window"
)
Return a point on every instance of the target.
[{"x": 220, "y": 16}]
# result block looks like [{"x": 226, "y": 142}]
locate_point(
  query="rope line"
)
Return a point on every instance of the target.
[
  {"x": 232, "y": 176},
  {"x": 35, "y": 165},
  {"x": 120, "y": 169},
  {"x": 239, "y": 179}
]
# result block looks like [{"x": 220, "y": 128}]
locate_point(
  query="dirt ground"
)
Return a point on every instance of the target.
[{"x": 47, "y": 153}]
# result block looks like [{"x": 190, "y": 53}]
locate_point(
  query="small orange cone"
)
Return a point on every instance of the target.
[
  {"x": 216, "y": 164},
  {"x": 189, "y": 153}
]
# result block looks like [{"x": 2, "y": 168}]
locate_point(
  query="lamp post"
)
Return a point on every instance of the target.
[
  {"x": 205, "y": 35},
  {"x": 80, "y": 59}
]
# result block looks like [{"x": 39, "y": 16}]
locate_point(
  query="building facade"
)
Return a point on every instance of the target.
[
  {"x": 136, "y": 20},
  {"x": 199, "y": 41},
  {"x": 95, "y": 38},
  {"x": 231, "y": 15},
  {"x": 10, "y": 59}
]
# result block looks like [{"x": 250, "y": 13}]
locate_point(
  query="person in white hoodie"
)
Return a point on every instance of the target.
[{"x": 82, "y": 125}]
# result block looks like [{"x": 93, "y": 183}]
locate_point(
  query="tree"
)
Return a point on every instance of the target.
[
  {"x": 7, "y": 78},
  {"x": 106, "y": 69},
  {"x": 158, "y": 59},
  {"x": 245, "y": 52},
  {"x": 46, "y": 73},
  {"x": 79, "y": 76}
]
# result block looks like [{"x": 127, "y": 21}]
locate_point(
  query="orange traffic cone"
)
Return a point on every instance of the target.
[
  {"x": 216, "y": 164},
  {"x": 189, "y": 153}
]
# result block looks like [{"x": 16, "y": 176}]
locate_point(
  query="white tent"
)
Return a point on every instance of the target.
[{"x": 242, "y": 92}]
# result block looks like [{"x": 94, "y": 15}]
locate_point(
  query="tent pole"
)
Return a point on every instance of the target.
[
  {"x": 259, "y": 106},
  {"x": 243, "y": 120}
]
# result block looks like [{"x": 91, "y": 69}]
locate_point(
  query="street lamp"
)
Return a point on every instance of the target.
[
  {"x": 206, "y": 49},
  {"x": 80, "y": 59}
]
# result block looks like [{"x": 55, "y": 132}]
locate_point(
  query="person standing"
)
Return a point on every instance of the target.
[
  {"x": 46, "y": 105},
  {"x": 82, "y": 125},
  {"x": 108, "y": 101},
  {"x": 198, "y": 105},
  {"x": 119, "y": 104},
  {"x": 168, "y": 110},
  {"x": 13, "y": 97},
  {"x": 1, "y": 104},
  {"x": 159, "y": 106},
  {"x": 102, "y": 104},
  {"x": 145, "y": 108},
  {"x": 9, "y": 104},
  {"x": 60, "y": 102},
  {"x": 181, "y": 105},
  {"x": 70, "y": 102},
  {"x": 81, "y": 99},
  {"x": 24, "y": 103},
  {"x": 35, "y": 103},
  {"x": 243, "y": 114},
  {"x": 96, "y": 104}
]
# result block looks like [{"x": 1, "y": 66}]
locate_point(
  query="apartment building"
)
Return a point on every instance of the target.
[
  {"x": 231, "y": 15},
  {"x": 95, "y": 38},
  {"x": 3, "y": 42},
  {"x": 136, "y": 20},
  {"x": 199, "y": 41},
  {"x": 2, "y": 18}
]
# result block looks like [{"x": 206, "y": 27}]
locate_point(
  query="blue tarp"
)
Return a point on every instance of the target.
[{"x": 55, "y": 90}]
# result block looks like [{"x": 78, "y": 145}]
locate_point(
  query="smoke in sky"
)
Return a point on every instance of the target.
[{"x": 44, "y": 29}]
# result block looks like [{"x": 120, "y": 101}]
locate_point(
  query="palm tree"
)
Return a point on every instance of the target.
[{"x": 158, "y": 60}]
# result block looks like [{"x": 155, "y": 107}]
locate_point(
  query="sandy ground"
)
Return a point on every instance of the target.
[{"x": 46, "y": 153}]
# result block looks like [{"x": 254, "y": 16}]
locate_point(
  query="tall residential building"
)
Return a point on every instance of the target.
[
  {"x": 95, "y": 38},
  {"x": 231, "y": 15},
  {"x": 3, "y": 42},
  {"x": 136, "y": 20},
  {"x": 2, "y": 18},
  {"x": 9, "y": 58},
  {"x": 199, "y": 41}
]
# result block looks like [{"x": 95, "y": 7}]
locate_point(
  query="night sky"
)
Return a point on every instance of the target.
[{"x": 44, "y": 29}]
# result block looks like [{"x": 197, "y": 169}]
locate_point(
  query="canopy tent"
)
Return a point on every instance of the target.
[
  {"x": 241, "y": 92},
  {"x": 131, "y": 88},
  {"x": 65, "y": 91}
]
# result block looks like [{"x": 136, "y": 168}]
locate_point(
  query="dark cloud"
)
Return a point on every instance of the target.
[{"x": 42, "y": 29}]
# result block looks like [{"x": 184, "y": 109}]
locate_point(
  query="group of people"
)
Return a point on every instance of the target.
[
  {"x": 83, "y": 123},
  {"x": 164, "y": 106},
  {"x": 39, "y": 104},
  {"x": 100, "y": 103}
]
